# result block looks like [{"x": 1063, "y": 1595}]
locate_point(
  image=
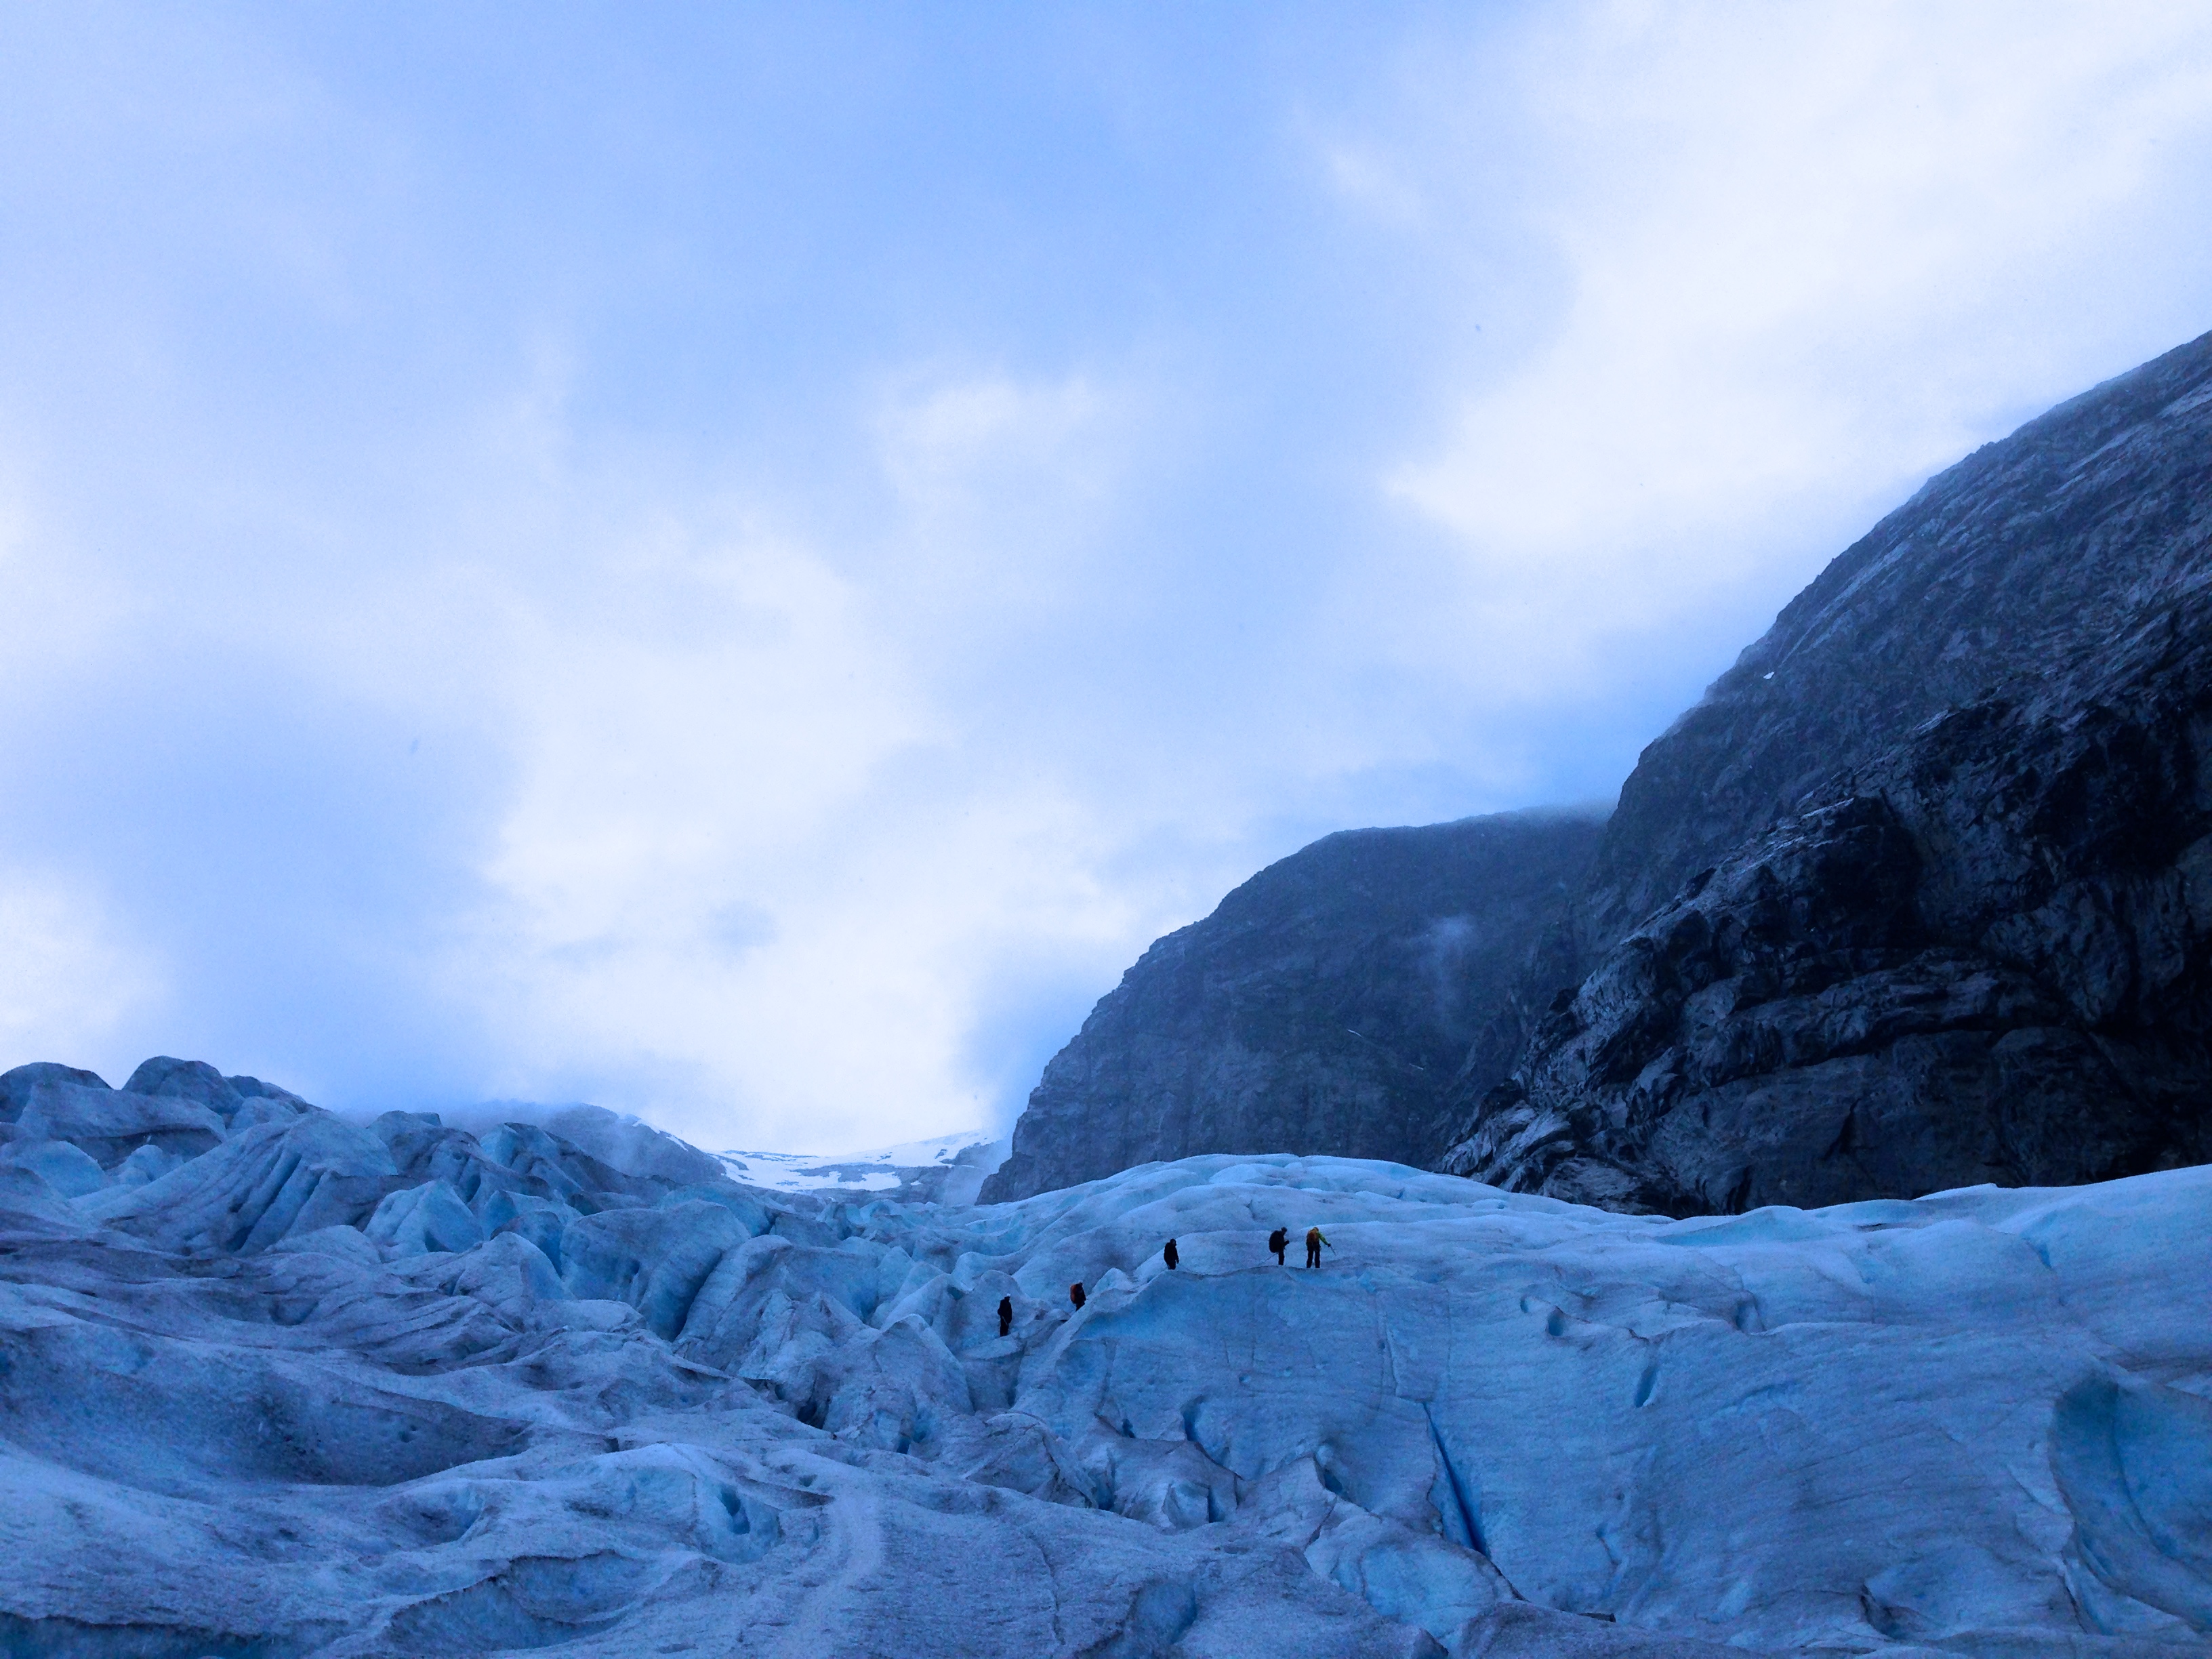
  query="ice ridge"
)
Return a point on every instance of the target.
[{"x": 315, "y": 1388}]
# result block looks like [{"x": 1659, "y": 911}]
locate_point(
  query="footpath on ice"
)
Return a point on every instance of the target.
[{"x": 272, "y": 1383}]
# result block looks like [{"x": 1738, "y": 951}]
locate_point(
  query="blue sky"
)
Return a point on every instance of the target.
[{"x": 740, "y": 563}]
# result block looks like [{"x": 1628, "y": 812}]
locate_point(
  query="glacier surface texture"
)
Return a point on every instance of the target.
[{"x": 273, "y": 1383}]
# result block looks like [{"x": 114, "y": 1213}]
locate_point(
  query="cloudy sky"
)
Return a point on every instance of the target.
[{"x": 740, "y": 563}]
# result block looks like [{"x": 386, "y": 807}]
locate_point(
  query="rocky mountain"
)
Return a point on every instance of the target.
[
  {"x": 2043, "y": 552},
  {"x": 1914, "y": 897},
  {"x": 1328, "y": 1005},
  {"x": 1920, "y": 896}
]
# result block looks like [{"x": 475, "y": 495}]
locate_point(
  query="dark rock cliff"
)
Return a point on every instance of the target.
[
  {"x": 1323, "y": 1007},
  {"x": 2059, "y": 538},
  {"x": 1920, "y": 894}
]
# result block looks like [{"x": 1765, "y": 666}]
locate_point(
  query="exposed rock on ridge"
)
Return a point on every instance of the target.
[
  {"x": 1973, "y": 943},
  {"x": 2049, "y": 546},
  {"x": 1325, "y": 1006},
  {"x": 1915, "y": 898}
]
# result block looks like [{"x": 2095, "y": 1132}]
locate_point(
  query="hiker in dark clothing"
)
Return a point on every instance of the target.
[
  {"x": 1279, "y": 1241},
  {"x": 1314, "y": 1242},
  {"x": 1169, "y": 1255},
  {"x": 1075, "y": 1293},
  {"x": 1006, "y": 1316}
]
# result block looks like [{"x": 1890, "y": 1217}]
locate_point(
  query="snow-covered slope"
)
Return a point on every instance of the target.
[
  {"x": 912, "y": 1168},
  {"x": 318, "y": 1389}
]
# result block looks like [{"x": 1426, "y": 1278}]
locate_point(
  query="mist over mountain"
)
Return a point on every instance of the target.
[
  {"x": 1917, "y": 896},
  {"x": 1328, "y": 1005}
]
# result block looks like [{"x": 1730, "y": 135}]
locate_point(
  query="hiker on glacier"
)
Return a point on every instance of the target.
[
  {"x": 1279, "y": 1241},
  {"x": 1075, "y": 1293},
  {"x": 1006, "y": 1316},
  {"x": 1169, "y": 1255},
  {"x": 1314, "y": 1242}
]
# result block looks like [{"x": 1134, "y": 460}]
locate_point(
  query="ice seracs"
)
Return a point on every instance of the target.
[{"x": 334, "y": 1388}]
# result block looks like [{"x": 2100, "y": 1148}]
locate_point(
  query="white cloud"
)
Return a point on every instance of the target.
[
  {"x": 528, "y": 621},
  {"x": 1003, "y": 492},
  {"x": 1362, "y": 177},
  {"x": 1806, "y": 255},
  {"x": 708, "y": 718},
  {"x": 69, "y": 975}
]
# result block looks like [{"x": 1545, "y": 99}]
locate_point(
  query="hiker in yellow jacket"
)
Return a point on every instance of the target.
[{"x": 1314, "y": 1242}]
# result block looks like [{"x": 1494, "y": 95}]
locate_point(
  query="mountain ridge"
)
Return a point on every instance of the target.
[
  {"x": 2017, "y": 598},
  {"x": 1327, "y": 1003}
]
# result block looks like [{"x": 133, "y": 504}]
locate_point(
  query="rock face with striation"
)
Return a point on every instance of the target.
[
  {"x": 1325, "y": 1006},
  {"x": 2040, "y": 554},
  {"x": 1920, "y": 896}
]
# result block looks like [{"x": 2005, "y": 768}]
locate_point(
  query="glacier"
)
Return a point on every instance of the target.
[{"x": 277, "y": 1384}]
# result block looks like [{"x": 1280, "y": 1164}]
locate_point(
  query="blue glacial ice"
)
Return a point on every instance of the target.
[{"x": 290, "y": 1385}]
